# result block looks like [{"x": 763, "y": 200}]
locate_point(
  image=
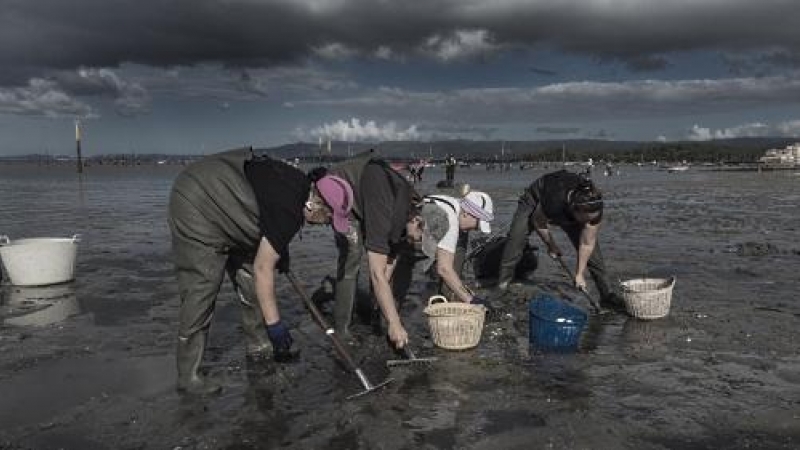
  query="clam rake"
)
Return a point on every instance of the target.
[
  {"x": 337, "y": 344},
  {"x": 410, "y": 360}
]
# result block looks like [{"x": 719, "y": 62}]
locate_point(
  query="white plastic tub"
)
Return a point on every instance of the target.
[{"x": 39, "y": 261}]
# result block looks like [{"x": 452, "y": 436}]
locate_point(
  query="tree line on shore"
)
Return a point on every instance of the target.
[{"x": 728, "y": 151}]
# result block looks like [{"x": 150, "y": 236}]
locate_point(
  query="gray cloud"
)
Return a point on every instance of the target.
[
  {"x": 44, "y": 35},
  {"x": 131, "y": 98},
  {"x": 453, "y": 130},
  {"x": 42, "y": 98},
  {"x": 244, "y": 84},
  {"x": 557, "y": 130},
  {"x": 571, "y": 102},
  {"x": 755, "y": 129},
  {"x": 542, "y": 71}
]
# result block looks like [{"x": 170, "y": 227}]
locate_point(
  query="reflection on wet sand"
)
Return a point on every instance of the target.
[{"x": 38, "y": 306}]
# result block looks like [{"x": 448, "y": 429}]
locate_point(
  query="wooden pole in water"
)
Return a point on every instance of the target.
[{"x": 78, "y": 145}]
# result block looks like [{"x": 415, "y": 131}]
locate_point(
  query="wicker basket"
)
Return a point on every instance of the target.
[
  {"x": 648, "y": 298},
  {"x": 456, "y": 325}
]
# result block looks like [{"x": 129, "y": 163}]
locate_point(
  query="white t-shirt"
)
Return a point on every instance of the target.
[{"x": 450, "y": 240}]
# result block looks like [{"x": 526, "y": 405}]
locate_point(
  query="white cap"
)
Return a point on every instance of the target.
[{"x": 479, "y": 205}]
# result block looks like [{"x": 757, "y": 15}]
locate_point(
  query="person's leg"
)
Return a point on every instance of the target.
[
  {"x": 240, "y": 271},
  {"x": 200, "y": 269},
  {"x": 596, "y": 266},
  {"x": 350, "y": 248},
  {"x": 517, "y": 236}
]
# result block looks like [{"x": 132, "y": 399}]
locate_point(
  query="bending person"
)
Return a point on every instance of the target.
[
  {"x": 235, "y": 212},
  {"x": 573, "y": 203},
  {"x": 472, "y": 212},
  {"x": 380, "y": 217}
]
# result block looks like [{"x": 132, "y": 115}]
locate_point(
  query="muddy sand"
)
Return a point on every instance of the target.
[{"x": 90, "y": 364}]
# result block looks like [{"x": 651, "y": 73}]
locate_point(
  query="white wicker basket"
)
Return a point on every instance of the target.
[
  {"x": 454, "y": 325},
  {"x": 648, "y": 298}
]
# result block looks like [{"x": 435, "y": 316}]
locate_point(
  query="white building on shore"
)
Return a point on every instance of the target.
[{"x": 789, "y": 156}]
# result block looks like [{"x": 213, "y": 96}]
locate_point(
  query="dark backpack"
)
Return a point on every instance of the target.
[{"x": 486, "y": 262}]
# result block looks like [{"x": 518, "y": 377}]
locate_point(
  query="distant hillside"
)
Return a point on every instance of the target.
[
  {"x": 732, "y": 150},
  {"x": 739, "y": 150}
]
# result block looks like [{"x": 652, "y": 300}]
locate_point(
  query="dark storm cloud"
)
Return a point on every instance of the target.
[{"x": 41, "y": 35}]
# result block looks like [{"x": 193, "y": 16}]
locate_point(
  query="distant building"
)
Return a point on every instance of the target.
[{"x": 789, "y": 156}]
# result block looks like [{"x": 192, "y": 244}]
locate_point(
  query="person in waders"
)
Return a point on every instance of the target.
[
  {"x": 236, "y": 212},
  {"x": 385, "y": 222},
  {"x": 471, "y": 212},
  {"x": 572, "y": 202}
]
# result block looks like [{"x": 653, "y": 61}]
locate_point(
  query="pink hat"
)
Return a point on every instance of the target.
[{"x": 338, "y": 194}]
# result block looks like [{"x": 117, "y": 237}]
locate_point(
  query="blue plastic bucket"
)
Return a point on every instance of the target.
[{"x": 555, "y": 325}]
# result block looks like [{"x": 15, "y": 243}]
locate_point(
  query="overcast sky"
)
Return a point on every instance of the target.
[{"x": 197, "y": 76}]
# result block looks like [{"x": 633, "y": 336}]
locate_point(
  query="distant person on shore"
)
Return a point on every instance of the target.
[
  {"x": 474, "y": 211},
  {"x": 450, "y": 169},
  {"x": 384, "y": 221},
  {"x": 573, "y": 203},
  {"x": 236, "y": 212},
  {"x": 415, "y": 170}
]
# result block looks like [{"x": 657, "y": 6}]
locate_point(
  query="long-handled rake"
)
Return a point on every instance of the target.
[
  {"x": 596, "y": 308},
  {"x": 337, "y": 344},
  {"x": 410, "y": 360}
]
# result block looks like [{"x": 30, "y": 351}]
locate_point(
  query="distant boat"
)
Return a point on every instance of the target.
[{"x": 675, "y": 169}]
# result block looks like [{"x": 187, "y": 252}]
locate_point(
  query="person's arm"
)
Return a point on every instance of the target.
[
  {"x": 379, "y": 275},
  {"x": 540, "y": 223},
  {"x": 264, "y": 278},
  {"x": 585, "y": 249},
  {"x": 445, "y": 267},
  {"x": 391, "y": 263}
]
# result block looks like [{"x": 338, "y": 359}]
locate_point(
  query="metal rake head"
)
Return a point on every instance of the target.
[{"x": 410, "y": 360}]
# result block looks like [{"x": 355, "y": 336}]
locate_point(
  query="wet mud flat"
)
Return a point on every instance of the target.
[{"x": 90, "y": 364}]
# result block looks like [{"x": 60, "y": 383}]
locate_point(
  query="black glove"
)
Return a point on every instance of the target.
[
  {"x": 492, "y": 313},
  {"x": 284, "y": 263},
  {"x": 282, "y": 341},
  {"x": 479, "y": 301}
]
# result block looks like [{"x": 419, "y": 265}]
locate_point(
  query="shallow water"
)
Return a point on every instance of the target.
[{"x": 89, "y": 364}]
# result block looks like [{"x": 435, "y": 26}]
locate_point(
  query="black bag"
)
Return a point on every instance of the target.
[{"x": 486, "y": 263}]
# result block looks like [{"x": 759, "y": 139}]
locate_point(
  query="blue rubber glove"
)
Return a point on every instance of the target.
[{"x": 281, "y": 339}]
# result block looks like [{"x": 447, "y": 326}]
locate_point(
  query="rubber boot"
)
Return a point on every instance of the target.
[
  {"x": 518, "y": 234},
  {"x": 189, "y": 356},
  {"x": 343, "y": 306},
  {"x": 348, "y": 267},
  {"x": 608, "y": 298},
  {"x": 255, "y": 333}
]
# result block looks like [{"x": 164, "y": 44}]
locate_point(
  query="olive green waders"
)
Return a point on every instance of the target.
[
  {"x": 351, "y": 249},
  {"x": 213, "y": 218},
  {"x": 521, "y": 228}
]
